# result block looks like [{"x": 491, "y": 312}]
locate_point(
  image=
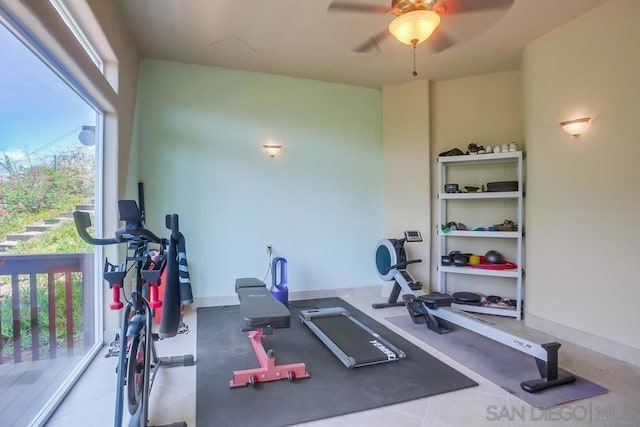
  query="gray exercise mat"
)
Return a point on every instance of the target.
[
  {"x": 332, "y": 389},
  {"x": 498, "y": 363}
]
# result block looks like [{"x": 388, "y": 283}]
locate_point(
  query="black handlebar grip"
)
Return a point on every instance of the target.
[
  {"x": 171, "y": 222},
  {"x": 82, "y": 221},
  {"x": 402, "y": 265}
]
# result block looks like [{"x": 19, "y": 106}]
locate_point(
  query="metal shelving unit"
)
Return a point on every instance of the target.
[{"x": 480, "y": 162}]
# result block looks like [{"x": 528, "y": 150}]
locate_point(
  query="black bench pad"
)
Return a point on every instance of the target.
[
  {"x": 249, "y": 282},
  {"x": 258, "y": 308}
]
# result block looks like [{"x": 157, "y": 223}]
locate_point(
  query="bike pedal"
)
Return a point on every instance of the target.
[
  {"x": 114, "y": 347},
  {"x": 155, "y": 336},
  {"x": 183, "y": 328}
]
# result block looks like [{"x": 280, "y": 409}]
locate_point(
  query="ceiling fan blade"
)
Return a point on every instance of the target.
[
  {"x": 356, "y": 7},
  {"x": 440, "y": 41},
  {"x": 373, "y": 43},
  {"x": 449, "y": 7}
]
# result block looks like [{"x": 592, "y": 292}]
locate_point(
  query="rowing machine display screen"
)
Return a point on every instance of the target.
[{"x": 413, "y": 236}]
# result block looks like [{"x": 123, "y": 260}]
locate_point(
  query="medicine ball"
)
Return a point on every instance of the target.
[{"x": 494, "y": 257}]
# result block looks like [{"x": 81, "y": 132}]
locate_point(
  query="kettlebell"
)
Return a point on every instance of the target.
[
  {"x": 460, "y": 260},
  {"x": 448, "y": 259},
  {"x": 455, "y": 258}
]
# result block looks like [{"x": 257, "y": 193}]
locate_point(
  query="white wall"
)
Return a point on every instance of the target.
[
  {"x": 200, "y": 132},
  {"x": 582, "y": 193},
  {"x": 405, "y": 137}
]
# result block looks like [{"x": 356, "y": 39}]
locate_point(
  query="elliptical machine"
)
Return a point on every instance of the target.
[{"x": 391, "y": 264}]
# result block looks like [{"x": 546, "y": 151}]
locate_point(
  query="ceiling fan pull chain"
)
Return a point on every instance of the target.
[{"x": 414, "y": 42}]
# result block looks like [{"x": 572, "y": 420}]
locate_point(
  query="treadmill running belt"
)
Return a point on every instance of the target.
[{"x": 352, "y": 339}]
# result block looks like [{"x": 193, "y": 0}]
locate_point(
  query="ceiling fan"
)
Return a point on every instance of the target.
[{"x": 417, "y": 20}]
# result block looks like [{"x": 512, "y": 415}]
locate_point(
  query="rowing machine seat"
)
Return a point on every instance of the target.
[{"x": 436, "y": 299}]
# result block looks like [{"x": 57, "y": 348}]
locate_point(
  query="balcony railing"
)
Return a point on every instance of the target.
[{"x": 46, "y": 305}]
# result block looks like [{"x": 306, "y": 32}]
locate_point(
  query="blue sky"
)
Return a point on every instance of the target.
[{"x": 39, "y": 113}]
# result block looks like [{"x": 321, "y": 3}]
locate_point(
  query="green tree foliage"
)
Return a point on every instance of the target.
[
  {"x": 57, "y": 184},
  {"x": 31, "y": 193}
]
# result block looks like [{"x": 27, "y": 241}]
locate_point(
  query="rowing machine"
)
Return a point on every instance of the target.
[
  {"x": 435, "y": 311},
  {"x": 391, "y": 264}
]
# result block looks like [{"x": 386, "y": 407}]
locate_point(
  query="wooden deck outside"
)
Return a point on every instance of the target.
[{"x": 39, "y": 352}]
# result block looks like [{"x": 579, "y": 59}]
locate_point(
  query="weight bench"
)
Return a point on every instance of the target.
[{"x": 261, "y": 314}]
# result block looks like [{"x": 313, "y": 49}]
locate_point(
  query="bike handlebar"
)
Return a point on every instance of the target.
[
  {"x": 83, "y": 221},
  {"x": 131, "y": 232},
  {"x": 134, "y": 232}
]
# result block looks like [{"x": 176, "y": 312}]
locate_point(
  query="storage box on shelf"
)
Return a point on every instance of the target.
[{"x": 482, "y": 209}]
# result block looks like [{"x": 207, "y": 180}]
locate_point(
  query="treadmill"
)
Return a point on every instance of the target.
[{"x": 353, "y": 343}]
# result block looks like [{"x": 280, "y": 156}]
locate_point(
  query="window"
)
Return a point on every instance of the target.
[
  {"x": 49, "y": 155},
  {"x": 80, "y": 20},
  {"x": 71, "y": 22}
]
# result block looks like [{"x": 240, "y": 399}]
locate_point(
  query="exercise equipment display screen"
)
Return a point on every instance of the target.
[{"x": 413, "y": 236}]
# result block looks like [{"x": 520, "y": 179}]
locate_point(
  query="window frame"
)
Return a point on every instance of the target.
[{"x": 22, "y": 29}]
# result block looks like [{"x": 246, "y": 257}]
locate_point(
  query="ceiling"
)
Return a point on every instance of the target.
[{"x": 301, "y": 38}]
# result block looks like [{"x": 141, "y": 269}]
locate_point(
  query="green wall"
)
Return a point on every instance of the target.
[{"x": 199, "y": 132}]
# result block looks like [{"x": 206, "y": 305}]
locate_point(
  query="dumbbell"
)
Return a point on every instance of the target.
[{"x": 456, "y": 258}]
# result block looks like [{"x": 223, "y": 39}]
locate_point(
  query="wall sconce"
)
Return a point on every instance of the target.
[
  {"x": 577, "y": 126},
  {"x": 272, "y": 149}
]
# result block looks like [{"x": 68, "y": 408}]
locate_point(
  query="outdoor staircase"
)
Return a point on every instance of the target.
[{"x": 36, "y": 229}]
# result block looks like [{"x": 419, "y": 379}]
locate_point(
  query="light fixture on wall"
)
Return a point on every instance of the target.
[
  {"x": 576, "y": 126},
  {"x": 272, "y": 149}
]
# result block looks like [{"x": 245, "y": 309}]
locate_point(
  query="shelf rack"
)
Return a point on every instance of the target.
[{"x": 516, "y": 236}]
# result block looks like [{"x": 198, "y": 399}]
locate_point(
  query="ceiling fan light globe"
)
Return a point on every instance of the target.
[{"x": 416, "y": 25}]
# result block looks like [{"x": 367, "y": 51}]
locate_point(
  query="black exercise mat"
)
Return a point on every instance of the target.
[
  {"x": 502, "y": 365},
  {"x": 332, "y": 389}
]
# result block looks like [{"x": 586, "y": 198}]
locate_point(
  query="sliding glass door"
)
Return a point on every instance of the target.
[{"x": 49, "y": 155}]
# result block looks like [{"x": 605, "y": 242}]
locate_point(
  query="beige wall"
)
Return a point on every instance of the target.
[
  {"x": 487, "y": 110},
  {"x": 405, "y": 146},
  {"x": 582, "y": 193},
  {"x": 128, "y": 61}
]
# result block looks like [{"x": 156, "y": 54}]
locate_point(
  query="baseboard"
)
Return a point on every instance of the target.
[
  {"x": 295, "y": 295},
  {"x": 602, "y": 345},
  {"x": 333, "y": 293},
  {"x": 215, "y": 301}
]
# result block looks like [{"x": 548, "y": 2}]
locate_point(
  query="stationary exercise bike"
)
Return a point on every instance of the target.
[
  {"x": 138, "y": 362},
  {"x": 391, "y": 264}
]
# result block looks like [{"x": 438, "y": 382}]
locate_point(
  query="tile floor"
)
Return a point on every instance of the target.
[{"x": 90, "y": 403}]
